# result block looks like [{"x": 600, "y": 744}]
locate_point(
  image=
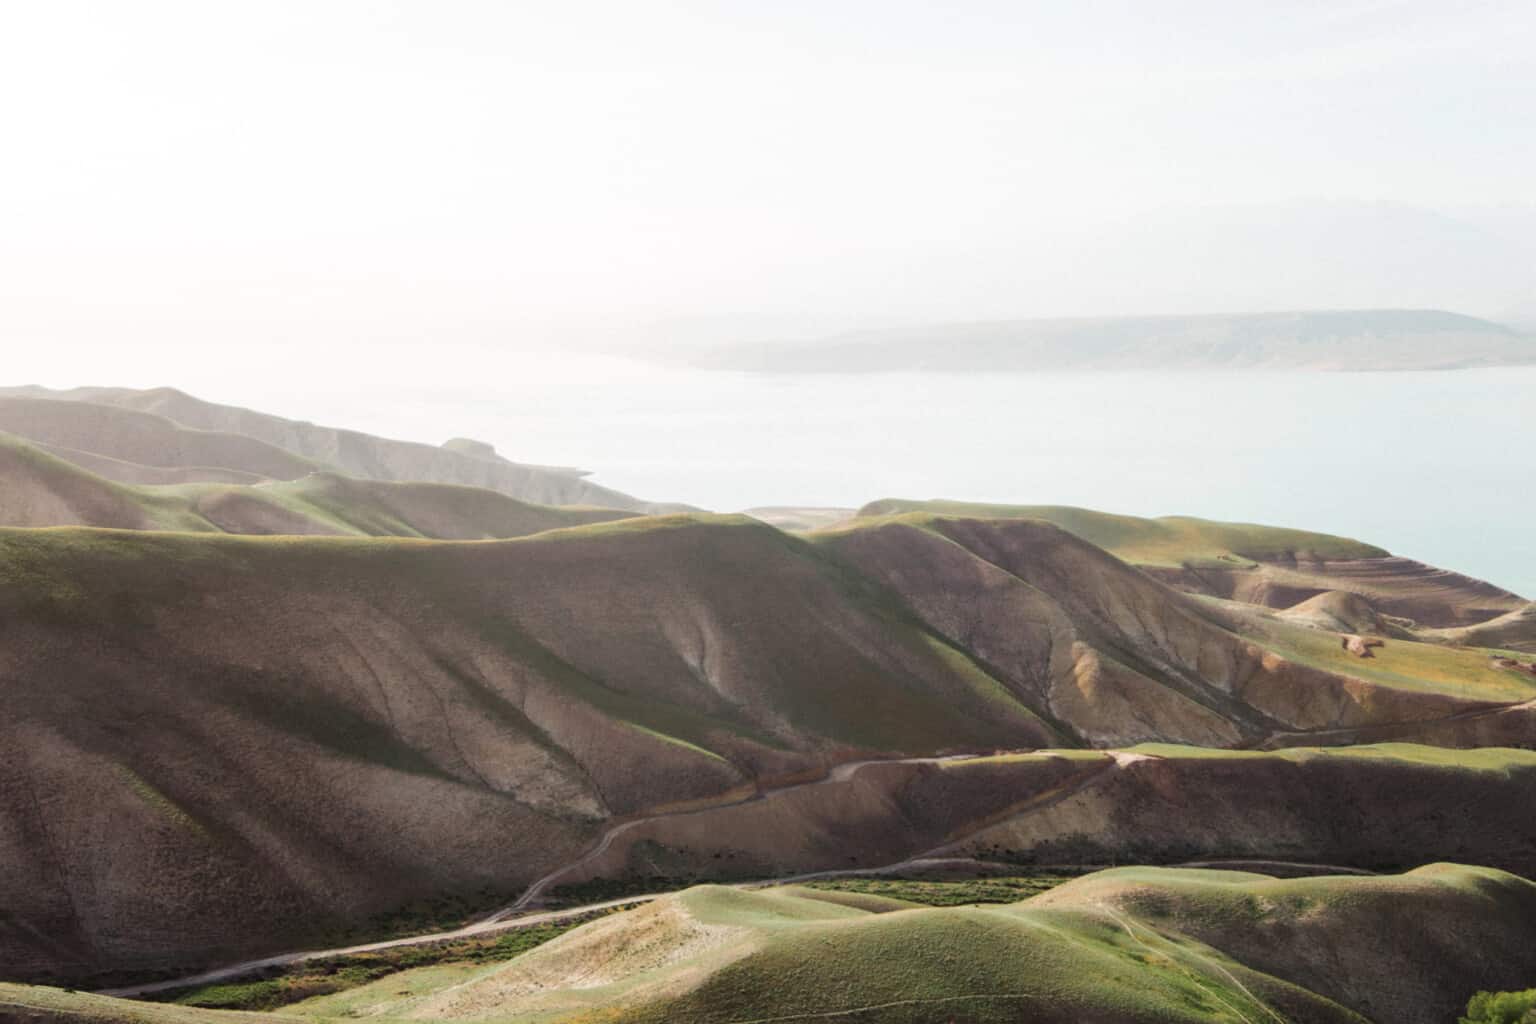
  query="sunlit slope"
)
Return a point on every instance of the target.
[
  {"x": 1265, "y": 565},
  {"x": 104, "y": 430},
  {"x": 42, "y": 489},
  {"x": 1135, "y": 944}
]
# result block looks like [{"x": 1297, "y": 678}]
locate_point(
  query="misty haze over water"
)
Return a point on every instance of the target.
[
  {"x": 343, "y": 212},
  {"x": 1429, "y": 465}
]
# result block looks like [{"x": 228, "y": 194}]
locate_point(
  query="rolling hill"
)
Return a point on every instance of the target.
[
  {"x": 1372, "y": 339},
  {"x": 1125, "y": 945},
  {"x": 43, "y": 490},
  {"x": 1260, "y": 565},
  {"x": 165, "y": 436},
  {"x": 219, "y": 745},
  {"x": 1122, "y": 946}
]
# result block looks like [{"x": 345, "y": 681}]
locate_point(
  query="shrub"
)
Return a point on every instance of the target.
[{"x": 1502, "y": 1008}]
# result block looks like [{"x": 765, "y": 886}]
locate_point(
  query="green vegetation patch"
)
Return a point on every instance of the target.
[
  {"x": 1501, "y": 1008},
  {"x": 961, "y": 892},
  {"x": 319, "y": 977}
]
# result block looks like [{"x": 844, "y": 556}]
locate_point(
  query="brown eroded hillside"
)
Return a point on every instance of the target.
[
  {"x": 1264, "y": 565},
  {"x": 219, "y": 745}
]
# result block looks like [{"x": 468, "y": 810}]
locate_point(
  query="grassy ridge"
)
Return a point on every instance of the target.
[{"x": 1165, "y": 541}]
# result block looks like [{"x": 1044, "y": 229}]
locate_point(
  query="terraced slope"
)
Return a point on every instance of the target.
[
  {"x": 1515, "y": 630},
  {"x": 1254, "y": 564},
  {"x": 220, "y": 745},
  {"x": 44, "y": 490},
  {"x": 166, "y": 436}
]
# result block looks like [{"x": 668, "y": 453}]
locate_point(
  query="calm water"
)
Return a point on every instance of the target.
[{"x": 1438, "y": 466}]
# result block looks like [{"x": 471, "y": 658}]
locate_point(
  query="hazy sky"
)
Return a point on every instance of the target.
[{"x": 348, "y": 173}]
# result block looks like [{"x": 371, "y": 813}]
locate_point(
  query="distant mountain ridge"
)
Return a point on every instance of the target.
[
  {"x": 43, "y": 489},
  {"x": 1332, "y": 340},
  {"x": 163, "y": 435}
]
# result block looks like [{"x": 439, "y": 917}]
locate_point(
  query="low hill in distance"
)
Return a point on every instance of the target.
[
  {"x": 1269, "y": 566},
  {"x": 44, "y": 490},
  {"x": 166, "y": 436},
  {"x": 1379, "y": 339}
]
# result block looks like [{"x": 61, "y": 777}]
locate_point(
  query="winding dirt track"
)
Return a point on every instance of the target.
[
  {"x": 840, "y": 773},
  {"x": 503, "y": 919}
]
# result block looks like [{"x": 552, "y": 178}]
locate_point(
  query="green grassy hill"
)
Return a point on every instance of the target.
[{"x": 1127, "y": 945}]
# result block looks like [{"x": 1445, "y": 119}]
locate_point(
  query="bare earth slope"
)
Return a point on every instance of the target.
[
  {"x": 82, "y": 420},
  {"x": 216, "y": 745}
]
